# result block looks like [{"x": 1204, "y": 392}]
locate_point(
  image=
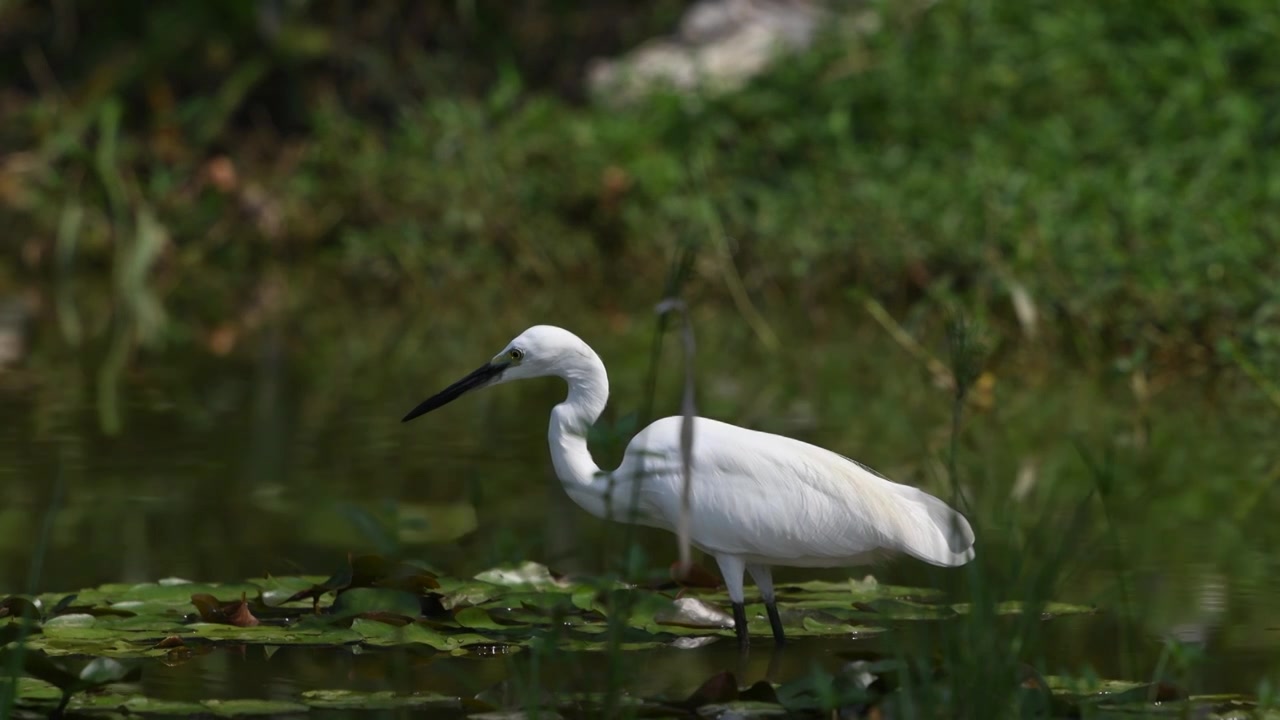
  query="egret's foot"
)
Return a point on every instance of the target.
[
  {"x": 740, "y": 624},
  {"x": 775, "y": 621}
]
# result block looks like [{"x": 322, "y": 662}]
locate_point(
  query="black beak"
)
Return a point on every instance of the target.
[{"x": 480, "y": 377}]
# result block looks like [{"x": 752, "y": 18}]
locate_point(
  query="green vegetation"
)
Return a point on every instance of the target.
[
  {"x": 376, "y": 603},
  {"x": 1113, "y": 163}
]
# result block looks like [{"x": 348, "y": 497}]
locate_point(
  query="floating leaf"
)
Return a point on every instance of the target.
[
  {"x": 456, "y": 594},
  {"x": 99, "y": 642},
  {"x": 124, "y": 595},
  {"x": 233, "y": 708},
  {"x": 278, "y": 591},
  {"x": 1115, "y": 692},
  {"x": 899, "y": 609},
  {"x": 692, "y": 612},
  {"x": 815, "y": 626},
  {"x": 142, "y": 705},
  {"x": 235, "y": 612},
  {"x": 71, "y": 621},
  {"x": 583, "y": 645},
  {"x": 387, "y": 618},
  {"x": 167, "y": 621},
  {"x": 527, "y": 575},
  {"x": 372, "y": 571},
  {"x": 380, "y": 600},
  {"x": 382, "y": 700},
  {"x": 856, "y": 590},
  {"x": 1046, "y": 610},
  {"x": 18, "y": 607},
  {"x": 477, "y": 619},
  {"x": 742, "y": 710},
  {"x": 383, "y": 635},
  {"x": 273, "y": 635},
  {"x": 548, "y": 600},
  {"x": 31, "y": 689},
  {"x": 586, "y": 598}
]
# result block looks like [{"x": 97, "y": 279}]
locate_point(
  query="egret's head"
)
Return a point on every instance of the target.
[{"x": 540, "y": 351}]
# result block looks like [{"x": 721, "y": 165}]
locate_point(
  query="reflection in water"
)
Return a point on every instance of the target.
[
  {"x": 1081, "y": 643},
  {"x": 286, "y": 457}
]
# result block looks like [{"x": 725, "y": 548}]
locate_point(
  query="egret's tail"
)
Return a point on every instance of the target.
[{"x": 938, "y": 535}]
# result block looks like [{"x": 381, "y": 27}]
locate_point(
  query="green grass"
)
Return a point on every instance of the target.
[{"x": 1112, "y": 162}]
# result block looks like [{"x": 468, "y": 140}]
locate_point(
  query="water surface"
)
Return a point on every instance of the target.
[{"x": 281, "y": 450}]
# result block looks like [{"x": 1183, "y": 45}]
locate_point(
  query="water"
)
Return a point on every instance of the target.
[{"x": 283, "y": 451}]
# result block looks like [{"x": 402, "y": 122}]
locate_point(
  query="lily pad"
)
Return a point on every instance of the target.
[
  {"x": 864, "y": 590},
  {"x": 65, "y": 634},
  {"x": 382, "y": 700},
  {"x": 477, "y": 619},
  {"x": 235, "y": 612},
  {"x": 384, "y": 635},
  {"x": 894, "y": 608},
  {"x": 233, "y": 708},
  {"x": 463, "y": 593},
  {"x": 274, "y": 635},
  {"x": 583, "y": 645},
  {"x": 278, "y": 591},
  {"x": 529, "y": 575},
  {"x": 546, "y": 601},
  {"x": 142, "y": 705},
  {"x": 169, "y": 593},
  {"x": 744, "y": 709},
  {"x": 1046, "y": 610},
  {"x": 365, "y": 600},
  {"x": 71, "y": 620},
  {"x": 379, "y": 602},
  {"x": 33, "y": 690}
]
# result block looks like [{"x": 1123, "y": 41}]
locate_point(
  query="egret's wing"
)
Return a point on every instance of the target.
[{"x": 771, "y": 496}]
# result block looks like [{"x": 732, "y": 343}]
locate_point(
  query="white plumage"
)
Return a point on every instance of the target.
[{"x": 757, "y": 499}]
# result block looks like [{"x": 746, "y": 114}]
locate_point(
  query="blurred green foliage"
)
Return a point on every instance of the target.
[{"x": 1112, "y": 163}]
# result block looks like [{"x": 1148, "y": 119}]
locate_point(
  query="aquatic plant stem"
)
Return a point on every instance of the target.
[
  {"x": 1101, "y": 475},
  {"x": 688, "y": 409}
]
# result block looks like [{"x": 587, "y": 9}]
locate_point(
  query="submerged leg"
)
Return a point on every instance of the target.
[
  {"x": 731, "y": 569},
  {"x": 764, "y": 580}
]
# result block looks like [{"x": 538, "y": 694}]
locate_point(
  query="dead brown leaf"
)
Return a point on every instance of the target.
[{"x": 235, "y": 612}]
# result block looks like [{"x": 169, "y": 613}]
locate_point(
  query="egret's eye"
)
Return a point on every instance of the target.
[{"x": 516, "y": 354}]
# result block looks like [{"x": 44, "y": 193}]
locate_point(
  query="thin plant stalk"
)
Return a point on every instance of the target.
[
  {"x": 680, "y": 270},
  {"x": 688, "y": 408}
]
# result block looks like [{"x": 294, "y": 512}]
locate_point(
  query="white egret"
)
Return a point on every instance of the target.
[{"x": 757, "y": 499}]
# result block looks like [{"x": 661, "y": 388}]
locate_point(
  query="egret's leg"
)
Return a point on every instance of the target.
[
  {"x": 764, "y": 580},
  {"x": 731, "y": 569}
]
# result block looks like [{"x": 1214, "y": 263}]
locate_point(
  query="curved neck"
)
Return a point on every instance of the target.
[{"x": 571, "y": 420}]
